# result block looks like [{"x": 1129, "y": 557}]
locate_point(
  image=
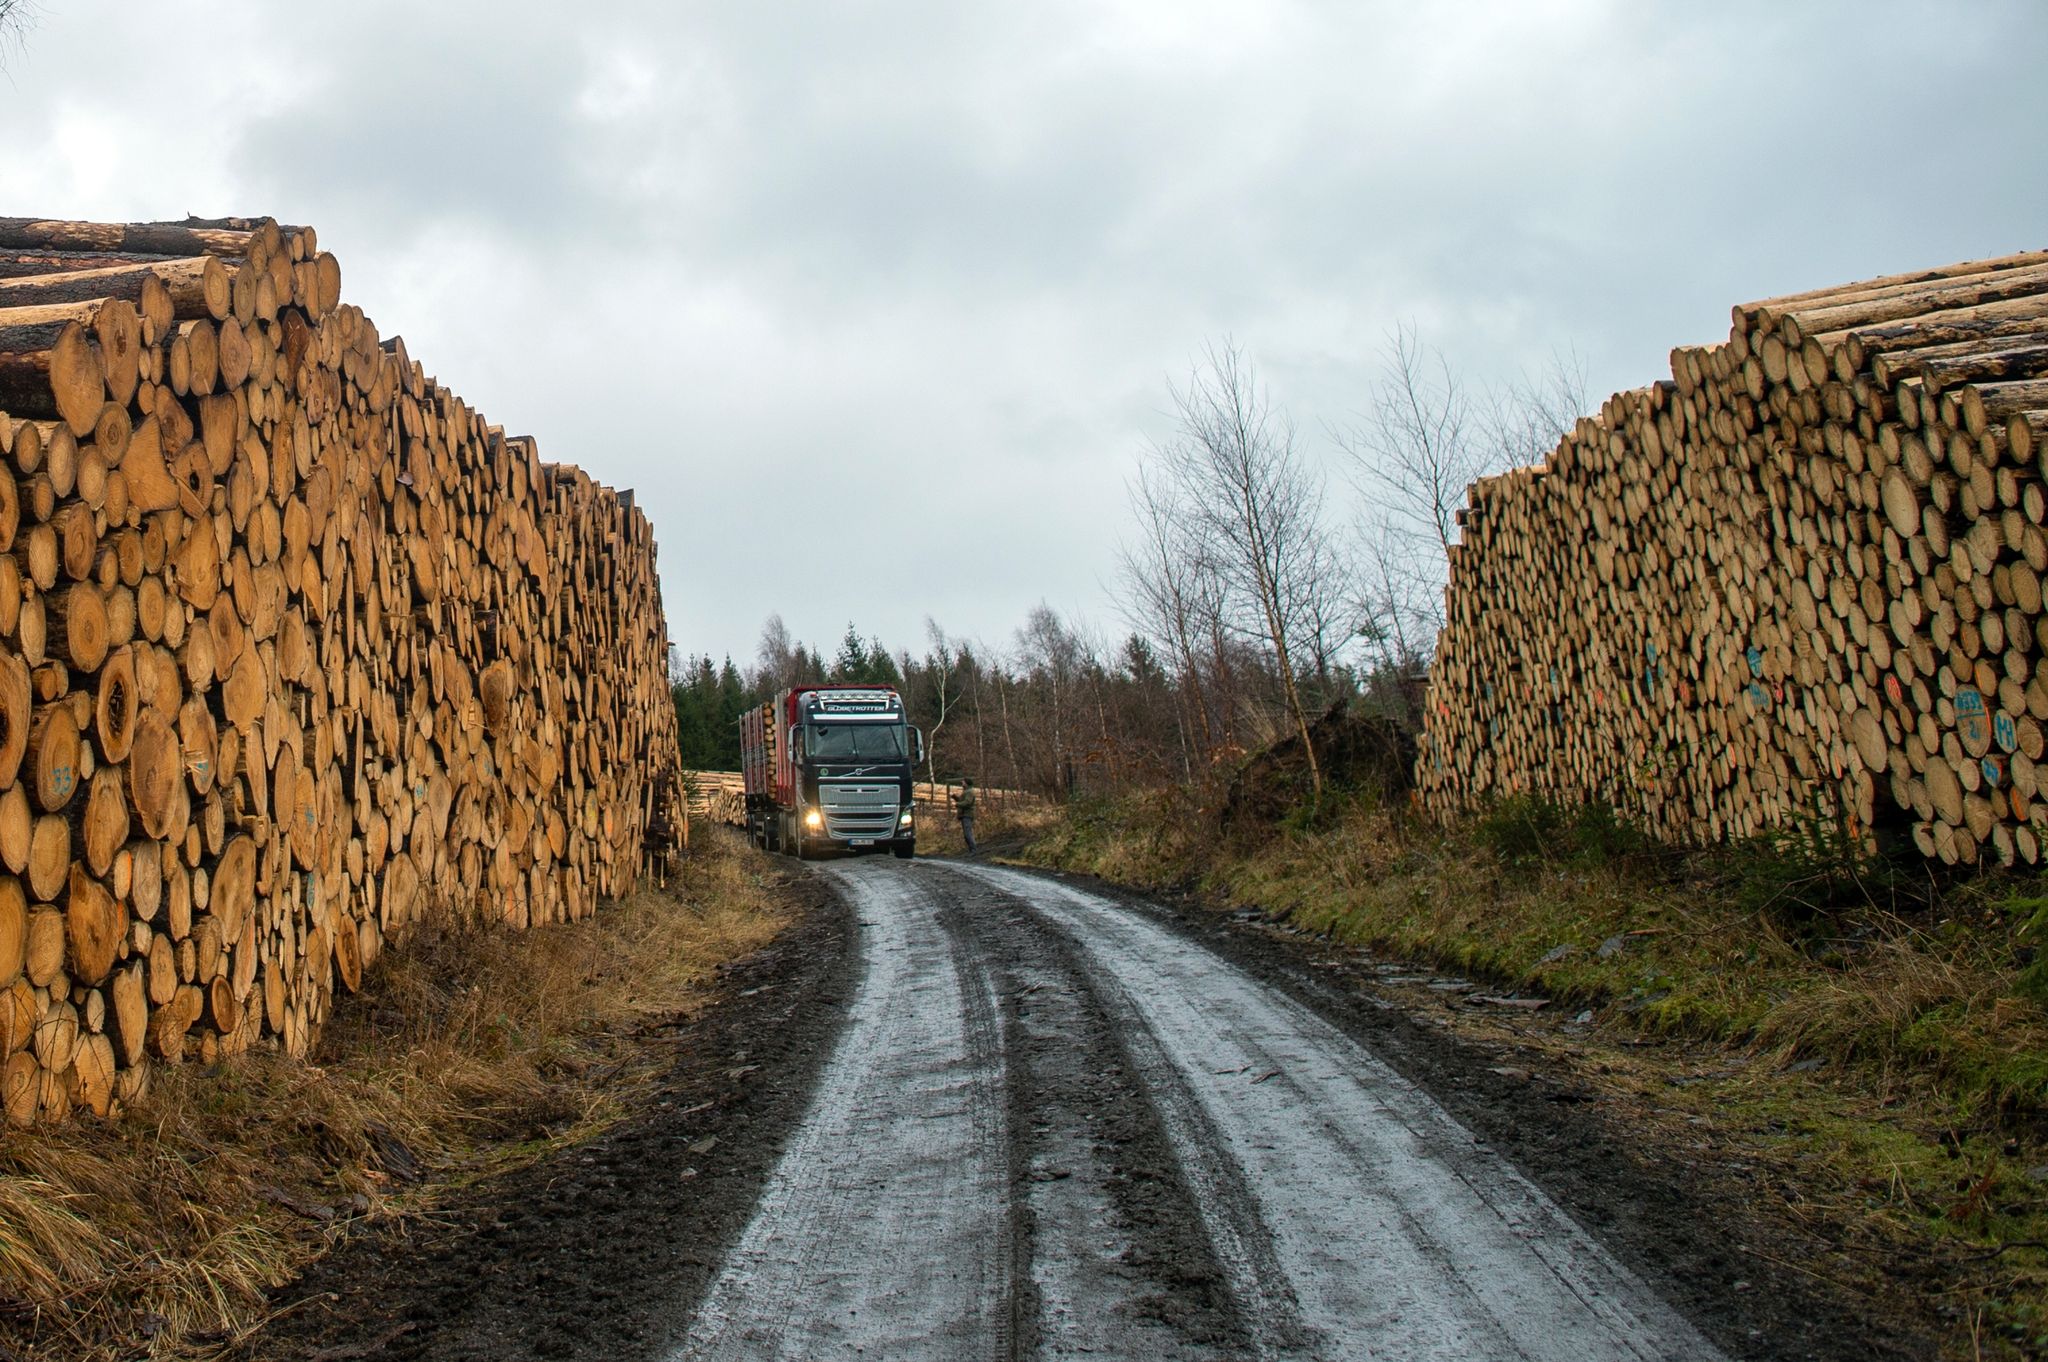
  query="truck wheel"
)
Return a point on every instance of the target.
[
  {"x": 804, "y": 850},
  {"x": 904, "y": 850}
]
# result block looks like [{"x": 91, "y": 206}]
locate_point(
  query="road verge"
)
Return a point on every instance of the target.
[
  {"x": 468, "y": 1056},
  {"x": 1870, "y": 1075}
]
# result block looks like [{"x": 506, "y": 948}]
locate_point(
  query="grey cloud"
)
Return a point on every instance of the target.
[{"x": 924, "y": 269}]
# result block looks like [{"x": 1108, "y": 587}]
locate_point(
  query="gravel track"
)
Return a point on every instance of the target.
[
  {"x": 960, "y": 1111},
  {"x": 1304, "y": 1200}
]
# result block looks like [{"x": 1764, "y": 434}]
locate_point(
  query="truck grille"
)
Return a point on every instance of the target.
[{"x": 860, "y": 810}]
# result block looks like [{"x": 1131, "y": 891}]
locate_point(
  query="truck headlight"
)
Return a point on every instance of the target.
[
  {"x": 904, "y": 821},
  {"x": 811, "y": 820}
]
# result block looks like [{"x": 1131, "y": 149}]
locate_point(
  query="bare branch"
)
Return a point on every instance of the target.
[
  {"x": 1170, "y": 585},
  {"x": 1415, "y": 453},
  {"x": 1258, "y": 505},
  {"x": 1418, "y": 448},
  {"x": 1527, "y": 419},
  {"x": 939, "y": 665},
  {"x": 16, "y": 18}
]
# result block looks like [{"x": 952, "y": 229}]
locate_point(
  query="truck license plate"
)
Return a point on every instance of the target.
[{"x": 861, "y": 842}]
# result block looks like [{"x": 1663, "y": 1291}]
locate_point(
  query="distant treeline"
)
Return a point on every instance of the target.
[
  {"x": 1250, "y": 603},
  {"x": 711, "y": 697},
  {"x": 1055, "y": 710}
]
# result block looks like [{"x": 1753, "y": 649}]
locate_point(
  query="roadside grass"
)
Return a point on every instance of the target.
[
  {"x": 469, "y": 1052},
  {"x": 1000, "y": 824},
  {"x": 1885, "y": 1036}
]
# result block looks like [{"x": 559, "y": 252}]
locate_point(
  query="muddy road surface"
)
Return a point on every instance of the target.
[
  {"x": 1055, "y": 1127},
  {"x": 969, "y": 1112}
]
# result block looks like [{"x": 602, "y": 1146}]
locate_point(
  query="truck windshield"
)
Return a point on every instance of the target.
[{"x": 855, "y": 742}]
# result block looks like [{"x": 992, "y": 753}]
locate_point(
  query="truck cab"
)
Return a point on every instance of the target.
[{"x": 831, "y": 768}]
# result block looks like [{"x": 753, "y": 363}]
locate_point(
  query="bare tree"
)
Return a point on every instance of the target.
[
  {"x": 1257, "y": 502},
  {"x": 1420, "y": 445},
  {"x": 774, "y": 657},
  {"x": 970, "y": 659},
  {"x": 939, "y": 665},
  {"x": 1050, "y": 657},
  {"x": 1009, "y": 733},
  {"x": 1528, "y": 418},
  {"x": 1384, "y": 613},
  {"x": 1327, "y": 620},
  {"x": 1422, "y": 442},
  {"x": 1107, "y": 751},
  {"x": 1168, "y": 575}
]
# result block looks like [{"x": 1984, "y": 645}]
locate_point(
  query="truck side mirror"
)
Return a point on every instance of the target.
[{"x": 917, "y": 745}]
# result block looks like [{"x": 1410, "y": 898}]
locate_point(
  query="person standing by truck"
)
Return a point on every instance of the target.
[{"x": 963, "y": 809}]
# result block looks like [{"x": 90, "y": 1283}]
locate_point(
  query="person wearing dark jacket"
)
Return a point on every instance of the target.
[{"x": 963, "y": 809}]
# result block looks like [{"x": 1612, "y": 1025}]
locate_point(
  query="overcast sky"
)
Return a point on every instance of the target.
[{"x": 877, "y": 303}]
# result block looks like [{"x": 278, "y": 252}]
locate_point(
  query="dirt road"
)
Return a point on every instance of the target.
[{"x": 1052, "y": 1126}]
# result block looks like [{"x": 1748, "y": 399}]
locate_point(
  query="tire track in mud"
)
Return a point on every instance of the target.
[
  {"x": 1113, "y": 1257},
  {"x": 975, "y": 1053},
  {"x": 883, "y": 1231},
  {"x": 1392, "y": 1233},
  {"x": 1052, "y": 1127}
]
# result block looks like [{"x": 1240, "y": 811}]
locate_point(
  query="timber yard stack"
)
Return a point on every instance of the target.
[
  {"x": 1798, "y": 588},
  {"x": 295, "y": 651}
]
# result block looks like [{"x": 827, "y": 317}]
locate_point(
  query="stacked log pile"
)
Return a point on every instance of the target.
[
  {"x": 717, "y": 797},
  {"x": 1796, "y": 588},
  {"x": 296, "y": 650}
]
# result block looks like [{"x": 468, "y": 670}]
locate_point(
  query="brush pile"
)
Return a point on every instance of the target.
[
  {"x": 1796, "y": 588},
  {"x": 295, "y": 648}
]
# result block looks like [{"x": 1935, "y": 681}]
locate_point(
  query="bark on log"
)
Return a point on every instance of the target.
[
  {"x": 194, "y": 287},
  {"x": 52, "y": 370}
]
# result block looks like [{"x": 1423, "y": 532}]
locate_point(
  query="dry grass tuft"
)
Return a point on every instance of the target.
[{"x": 468, "y": 1052}]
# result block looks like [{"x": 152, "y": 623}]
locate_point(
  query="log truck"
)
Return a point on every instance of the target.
[{"x": 830, "y": 768}]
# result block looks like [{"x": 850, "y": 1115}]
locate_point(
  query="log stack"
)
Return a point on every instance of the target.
[
  {"x": 1796, "y": 588},
  {"x": 296, "y": 651}
]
